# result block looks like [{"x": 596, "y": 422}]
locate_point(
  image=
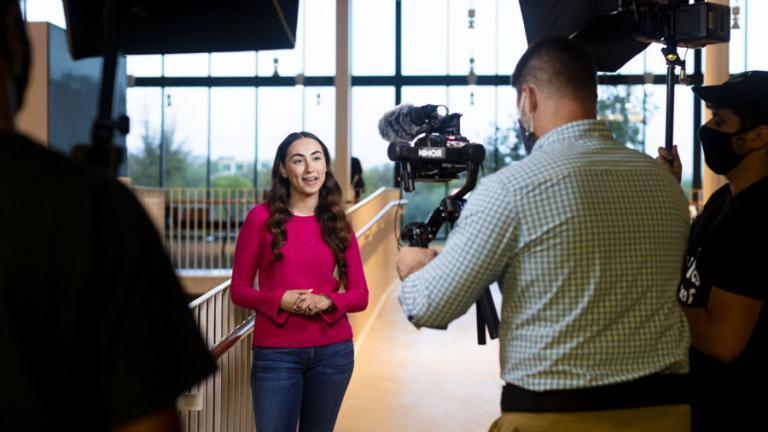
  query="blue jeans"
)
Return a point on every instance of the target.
[{"x": 300, "y": 385}]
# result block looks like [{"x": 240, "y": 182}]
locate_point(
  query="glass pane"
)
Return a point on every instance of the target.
[
  {"x": 144, "y": 105},
  {"x": 621, "y": 107},
  {"x": 423, "y": 201},
  {"x": 233, "y": 136},
  {"x": 320, "y": 115},
  {"x": 186, "y": 65},
  {"x": 425, "y": 37},
  {"x": 636, "y": 66},
  {"x": 368, "y": 105},
  {"x": 757, "y": 34},
  {"x": 683, "y": 125},
  {"x": 422, "y": 95},
  {"x": 286, "y": 62},
  {"x": 320, "y": 38},
  {"x": 278, "y": 114},
  {"x": 502, "y": 145},
  {"x": 51, "y": 11},
  {"x": 233, "y": 64},
  {"x": 373, "y": 37},
  {"x": 510, "y": 36},
  {"x": 737, "y": 52},
  {"x": 506, "y": 107},
  {"x": 145, "y": 65},
  {"x": 655, "y": 62},
  {"x": 478, "y": 106},
  {"x": 186, "y": 136},
  {"x": 478, "y": 42}
]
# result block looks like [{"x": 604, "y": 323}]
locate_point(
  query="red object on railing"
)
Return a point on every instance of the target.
[{"x": 233, "y": 338}]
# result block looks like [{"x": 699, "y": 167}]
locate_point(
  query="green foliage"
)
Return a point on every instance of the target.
[
  {"x": 617, "y": 106},
  {"x": 502, "y": 148},
  {"x": 378, "y": 176},
  {"x": 182, "y": 168},
  {"x": 231, "y": 181}
]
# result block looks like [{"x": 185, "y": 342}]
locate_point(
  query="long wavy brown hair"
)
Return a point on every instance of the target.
[{"x": 334, "y": 225}]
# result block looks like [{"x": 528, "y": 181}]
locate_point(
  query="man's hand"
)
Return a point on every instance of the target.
[
  {"x": 412, "y": 259},
  {"x": 290, "y": 299},
  {"x": 310, "y": 304},
  {"x": 671, "y": 161}
]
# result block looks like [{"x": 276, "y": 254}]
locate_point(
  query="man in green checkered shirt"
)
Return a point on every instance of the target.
[{"x": 586, "y": 239}]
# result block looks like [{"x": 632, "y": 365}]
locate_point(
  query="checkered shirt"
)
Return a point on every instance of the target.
[{"x": 586, "y": 239}]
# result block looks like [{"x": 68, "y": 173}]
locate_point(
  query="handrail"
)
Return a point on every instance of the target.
[
  {"x": 367, "y": 199},
  {"x": 219, "y": 288},
  {"x": 233, "y": 338},
  {"x": 379, "y": 216}
]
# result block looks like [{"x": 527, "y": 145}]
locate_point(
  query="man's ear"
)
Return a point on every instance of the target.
[
  {"x": 533, "y": 99},
  {"x": 759, "y": 137}
]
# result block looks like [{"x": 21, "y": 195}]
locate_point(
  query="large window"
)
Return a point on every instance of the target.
[
  {"x": 186, "y": 136},
  {"x": 454, "y": 52},
  {"x": 373, "y": 37},
  {"x": 368, "y": 104},
  {"x": 233, "y": 136},
  {"x": 279, "y": 113},
  {"x": 223, "y": 136},
  {"x": 144, "y": 106}
]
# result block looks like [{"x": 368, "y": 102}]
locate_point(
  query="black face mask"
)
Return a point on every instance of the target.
[
  {"x": 527, "y": 138},
  {"x": 718, "y": 150}
]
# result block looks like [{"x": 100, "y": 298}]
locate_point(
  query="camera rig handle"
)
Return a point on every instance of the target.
[{"x": 420, "y": 234}]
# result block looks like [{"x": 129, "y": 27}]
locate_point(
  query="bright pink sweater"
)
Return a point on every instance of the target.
[{"x": 307, "y": 263}]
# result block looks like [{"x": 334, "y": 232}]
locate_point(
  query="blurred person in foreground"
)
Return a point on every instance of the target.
[{"x": 95, "y": 331}]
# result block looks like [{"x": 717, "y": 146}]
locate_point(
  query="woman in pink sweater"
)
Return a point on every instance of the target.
[{"x": 304, "y": 253}]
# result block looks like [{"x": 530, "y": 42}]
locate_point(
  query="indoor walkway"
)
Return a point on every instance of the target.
[{"x": 421, "y": 380}]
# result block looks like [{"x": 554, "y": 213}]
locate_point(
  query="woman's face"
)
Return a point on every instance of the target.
[{"x": 304, "y": 166}]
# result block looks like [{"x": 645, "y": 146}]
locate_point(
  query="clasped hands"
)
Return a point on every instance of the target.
[{"x": 304, "y": 302}]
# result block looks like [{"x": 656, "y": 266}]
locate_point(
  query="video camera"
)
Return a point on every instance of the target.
[{"x": 439, "y": 152}]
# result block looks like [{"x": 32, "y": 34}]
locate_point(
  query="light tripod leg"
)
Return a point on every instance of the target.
[
  {"x": 486, "y": 317},
  {"x": 480, "y": 324}
]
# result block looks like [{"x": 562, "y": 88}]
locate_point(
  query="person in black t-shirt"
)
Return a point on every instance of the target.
[
  {"x": 724, "y": 285},
  {"x": 94, "y": 328}
]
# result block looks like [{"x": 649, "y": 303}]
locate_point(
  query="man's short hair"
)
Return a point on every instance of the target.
[{"x": 558, "y": 64}]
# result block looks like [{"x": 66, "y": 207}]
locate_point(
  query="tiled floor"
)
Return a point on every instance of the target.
[{"x": 421, "y": 380}]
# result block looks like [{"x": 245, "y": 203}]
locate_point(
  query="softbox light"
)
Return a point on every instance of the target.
[
  {"x": 183, "y": 26},
  {"x": 606, "y": 33}
]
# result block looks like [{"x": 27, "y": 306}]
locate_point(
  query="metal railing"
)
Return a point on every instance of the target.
[
  {"x": 202, "y": 225},
  {"x": 198, "y": 226},
  {"x": 223, "y": 401}
]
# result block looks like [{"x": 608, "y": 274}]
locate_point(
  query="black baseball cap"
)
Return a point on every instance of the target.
[{"x": 744, "y": 93}]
